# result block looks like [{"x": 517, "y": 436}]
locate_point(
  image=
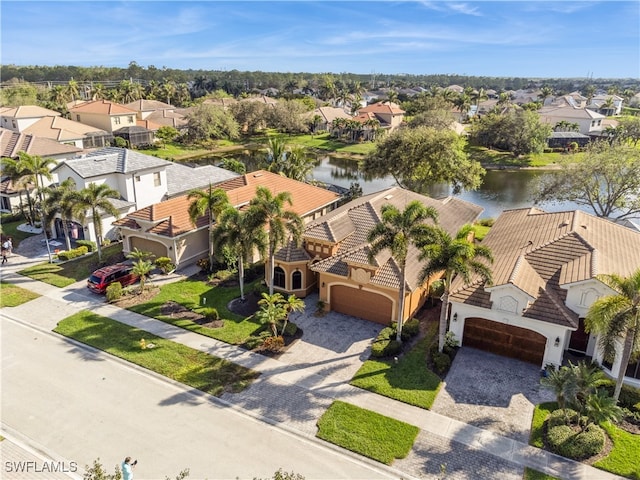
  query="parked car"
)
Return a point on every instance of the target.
[{"x": 105, "y": 276}]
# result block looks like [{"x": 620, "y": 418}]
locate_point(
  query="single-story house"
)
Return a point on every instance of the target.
[
  {"x": 166, "y": 230},
  {"x": 334, "y": 257},
  {"x": 564, "y": 139},
  {"x": 545, "y": 278}
]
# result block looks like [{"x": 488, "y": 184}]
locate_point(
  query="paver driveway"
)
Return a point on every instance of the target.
[{"x": 492, "y": 392}]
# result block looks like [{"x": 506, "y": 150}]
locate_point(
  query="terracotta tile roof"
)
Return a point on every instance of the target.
[
  {"x": 105, "y": 107},
  {"x": 168, "y": 118},
  {"x": 541, "y": 252},
  {"x": 147, "y": 124},
  {"x": 388, "y": 108},
  {"x": 350, "y": 225},
  {"x": 27, "y": 111},
  {"x": 12, "y": 142},
  {"x": 61, "y": 129},
  {"x": 7, "y": 187},
  {"x": 143, "y": 105},
  {"x": 174, "y": 213}
]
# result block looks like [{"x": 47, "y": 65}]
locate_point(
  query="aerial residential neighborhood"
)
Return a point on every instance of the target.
[{"x": 223, "y": 260}]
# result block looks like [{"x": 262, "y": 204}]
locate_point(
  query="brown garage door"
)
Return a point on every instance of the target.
[
  {"x": 361, "y": 303},
  {"x": 507, "y": 340},
  {"x": 145, "y": 245}
]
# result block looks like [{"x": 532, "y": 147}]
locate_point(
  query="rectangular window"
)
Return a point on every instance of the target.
[
  {"x": 138, "y": 178},
  {"x": 131, "y": 119},
  {"x": 116, "y": 120},
  {"x": 156, "y": 179}
]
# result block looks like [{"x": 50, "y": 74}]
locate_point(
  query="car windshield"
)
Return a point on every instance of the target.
[{"x": 94, "y": 279}]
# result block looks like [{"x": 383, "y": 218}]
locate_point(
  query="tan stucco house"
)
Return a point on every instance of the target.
[
  {"x": 389, "y": 114},
  {"x": 166, "y": 230},
  {"x": 544, "y": 281},
  {"x": 334, "y": 257}
]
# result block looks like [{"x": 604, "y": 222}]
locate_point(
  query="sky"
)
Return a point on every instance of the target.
[{"x": 533, "y": 39}]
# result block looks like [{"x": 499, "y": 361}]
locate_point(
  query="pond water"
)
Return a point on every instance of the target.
[{"x": 501, "y": 189}]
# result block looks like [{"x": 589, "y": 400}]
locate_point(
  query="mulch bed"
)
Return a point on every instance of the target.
[
  {"x": 246, "y": 307},
  {"x": 175, "y": 310}
]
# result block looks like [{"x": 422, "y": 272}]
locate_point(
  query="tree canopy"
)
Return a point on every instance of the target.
[
  {"x": 607, "y": 180},
  {"x": 423, "y": 156}
]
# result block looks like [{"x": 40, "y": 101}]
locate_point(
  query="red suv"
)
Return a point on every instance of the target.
[{"x": 105, "y": 276}]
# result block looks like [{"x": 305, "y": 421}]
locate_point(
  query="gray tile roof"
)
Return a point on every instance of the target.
[
  {"x": 182, "y": 178},
  {"x": 113, "y": 160}
]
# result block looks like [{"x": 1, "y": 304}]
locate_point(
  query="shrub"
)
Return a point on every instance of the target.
[
  {"x": 629, "y": 397},
  {"x": 211, "y": 314},
  {"x": 204, "y": 265},
  {"x": 73, "y": 253},
  {"x": 165, "y": 264},
  {"x": 564, "y": 441},
  {"x": 441, "y": 362},
  {"x": 254, "y": 341},
  {"x": 290, "y": 329},
  {"x": 562, "y": 416},
  {"x": 631, "y": 416},
  {"x": 450, "y": 342},
  {"x": 273, "y": 344},
  {"x": 114, "y": 292},
  {"x": 385, "y": 348},
  {"x": 486, "y": 222},
  {"x": 91, "y": 246},
  {"x": 411, "y": 328}
]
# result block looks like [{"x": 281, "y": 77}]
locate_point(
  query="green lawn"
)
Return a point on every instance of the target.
[
  {"x": 325, "y": 142},
  {"x": 173, "y": 360},
  {"x": 10, "y": 229},
  {"x": 531, "y": 474},
  {"x": 409, "y": 381},
  {"x": 367, "y": 433},
  {"x": 494, "y": 158},
  {"x": 624, "y": 459},
  {"x": 64, "y": 274},
  {"x": 12, "y": 295},
  {"x": 196, "y": 295},
  {"x": 540, "y": 414}
]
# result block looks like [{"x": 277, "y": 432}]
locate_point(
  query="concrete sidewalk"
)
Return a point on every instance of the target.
[{"x": 287, "y": 394}]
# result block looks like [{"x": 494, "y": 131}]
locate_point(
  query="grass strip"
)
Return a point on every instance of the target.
[
  {"x": 12, "y": 295},
  {"x": 624, "y": 459},
  {"x": 540, "y": 414},
  {"x": 367, "y": 433},
  {"x": 198, "y": 295},
  {"x": 531, "y": 474},
  {"x": 64, "y": 274},
  {"x": 186, "y": 365},
  {"x": 409, "y": 381}
]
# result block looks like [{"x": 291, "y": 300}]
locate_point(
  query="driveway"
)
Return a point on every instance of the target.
[{"x": 492, "y": 392}]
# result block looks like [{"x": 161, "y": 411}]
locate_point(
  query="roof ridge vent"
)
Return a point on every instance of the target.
[{"x": 388, "y": 197}]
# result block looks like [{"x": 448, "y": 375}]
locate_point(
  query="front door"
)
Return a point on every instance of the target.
[{"x": 579, "y": 338}]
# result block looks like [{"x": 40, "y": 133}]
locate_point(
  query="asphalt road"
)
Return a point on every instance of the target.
[{"x": 86, "y": 405}]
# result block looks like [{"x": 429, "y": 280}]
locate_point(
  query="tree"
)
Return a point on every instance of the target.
[
  {"x": 268, "y": 209},
  {"x": 396, "y": 233},
  {"x": 291, "y": 304},
  {"x": 166, "y": 134},
  {"x": 95, "y": 198},
  {"x": 424, "y": 156},
  {"x": 607, "y": 180},
  {"x": 209, "y": 122},
  {"x": 616, "y": 318},
  {"x": 141, "y": 268},
  {"x": 210, "y": 202},
  {"x": 236, "y": 231},
  {"x": 38, "y": 168},
  {"x": 59, "y": 201},
  {"x": 22, "y": 181},
  {"x": 234, "y": 165},
  {"x": 451, "y": 256},
  {"x": 629, "y": 128},
  {"x": 271, "y": 311}
]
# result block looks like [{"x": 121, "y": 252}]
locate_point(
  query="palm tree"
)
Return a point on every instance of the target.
[
  {"x": 561, "y": 382},
  {"x": 272, "y": 310},
  {"x": 267, "y": 209},
  {"x": 37, "y": 167},
  {"x": 212, "y": 202},
  {"x": 395, "y": 233},
  {"x": 60, "y": 201},
  {"x": 235, "y": 231},
  {"x": 21, "y": 180},
  {"x": 617, "y": 317},
  {"x": 141, "y": 268},
  {"x": 95, "y": 198},
  {"x": 292, "y": 304},
  {"x": 452, "y": 256}
]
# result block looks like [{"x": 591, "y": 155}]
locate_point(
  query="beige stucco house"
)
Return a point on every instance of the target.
[
  {"x": 104, "y": 115},
  {"x": 389, "y": 114},
  {"x": 334, "y": 257},
  {"x": 545, "y": 278},
  {"x": 166, "y": 230}
]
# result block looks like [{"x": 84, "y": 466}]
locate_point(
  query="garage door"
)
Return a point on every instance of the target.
[
  {"x": 507, "y": 340},
  {"x": 157, "y": 248},
  {"x": 361, "y": 303}
]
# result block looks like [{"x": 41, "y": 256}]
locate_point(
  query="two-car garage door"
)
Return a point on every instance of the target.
[
  {"x": 361, "y": 303},
  {"x": 502, "y": 339}
]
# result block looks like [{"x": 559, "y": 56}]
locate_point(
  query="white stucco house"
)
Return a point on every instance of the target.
[
  {"x": 544, "y": 281},
  {"x": 141, "y": 180},
  {"x": 589, "y": 121}
]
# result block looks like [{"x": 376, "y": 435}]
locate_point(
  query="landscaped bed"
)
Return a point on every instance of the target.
[
  {"x": 191, "y": 367},
  {"x": 367, "y": 433}
]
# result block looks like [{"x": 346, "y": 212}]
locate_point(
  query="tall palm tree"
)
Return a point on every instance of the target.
[
  {"x": 395, "y": 233},
  {"x": 38, "y": 167},
  {"x": 268, "y": 210},
  {"x": 59, "y": 201},
  {"x": 617, "y": 317},
  {"x": 235, "y": 231},
  {"x": 95, "y": 198},
  {"x": 453, "y": 256},
  {"x": 211, "y": 202},
  {"x": 21, "y": 181}
]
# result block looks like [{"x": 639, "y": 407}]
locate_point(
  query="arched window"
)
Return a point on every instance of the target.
[
  {"x": 278, "y": 277},
  {"x": 296, "y": 280}
]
